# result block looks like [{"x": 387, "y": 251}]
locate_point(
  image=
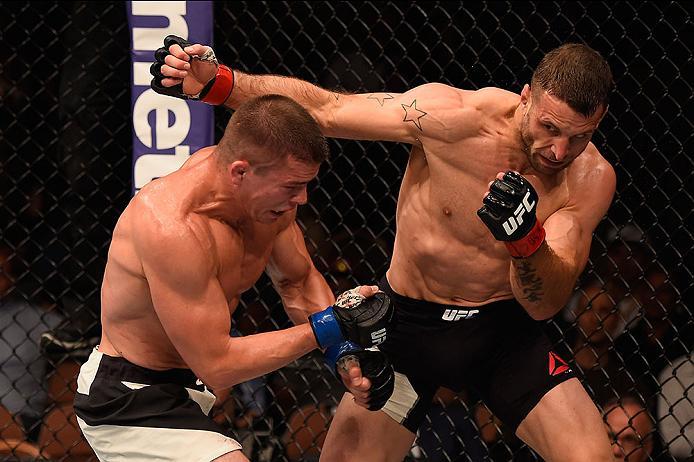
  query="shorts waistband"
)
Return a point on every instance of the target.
[
  {"x": 123, "y": 370},
  {"x": 438, "y": 311}
]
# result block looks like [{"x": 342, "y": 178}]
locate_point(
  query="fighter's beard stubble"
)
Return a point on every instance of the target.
[{"x": 526, "y": 141}]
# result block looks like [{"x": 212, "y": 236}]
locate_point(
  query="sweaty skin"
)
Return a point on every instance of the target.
[
  {"x": 461, "y": 141},
  {"x": 182, "y": 253},
  {"x": 449, "y": 256}
]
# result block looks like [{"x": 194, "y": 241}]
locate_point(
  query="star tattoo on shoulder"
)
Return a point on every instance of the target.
[
  {"x": 412, "y": 114},
  {"x": 380, "y": 97}
]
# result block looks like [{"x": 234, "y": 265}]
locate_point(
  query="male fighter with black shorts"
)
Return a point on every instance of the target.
[
  {"x": 494, "y": 223},
  {"x": 182, "y": 252}
]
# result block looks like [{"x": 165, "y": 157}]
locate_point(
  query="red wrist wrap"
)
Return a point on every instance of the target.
[
  {"x": 527, "y": 246},
  {"x": 221, "y": 87}
]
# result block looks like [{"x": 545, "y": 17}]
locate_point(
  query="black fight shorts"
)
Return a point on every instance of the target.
[
  {"x": 497, "y": 350},
  {"x": 130, "y": 413}
]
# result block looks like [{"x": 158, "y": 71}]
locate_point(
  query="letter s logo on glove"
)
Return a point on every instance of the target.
[
  {"x": 363, "y": 315},
  {"x": 378, "y": 336}
]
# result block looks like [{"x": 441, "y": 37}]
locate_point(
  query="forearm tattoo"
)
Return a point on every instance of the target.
[
  {"x": 414, "y": 115},
  {"x": 380, "y": 97},
  {"x": 530, "y": 282}
]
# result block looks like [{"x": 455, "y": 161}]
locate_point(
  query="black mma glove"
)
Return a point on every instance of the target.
[
  {"x": 215, "y": 92},
  {"x": 353, "y": 317},
  {"x": 374, "y": 365},
  {"x": 509, "y": 213}
]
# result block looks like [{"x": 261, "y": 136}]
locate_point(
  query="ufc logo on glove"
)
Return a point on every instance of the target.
[
  {"x": 512, "y": 224},
  {"x": 509, "y": 213}
]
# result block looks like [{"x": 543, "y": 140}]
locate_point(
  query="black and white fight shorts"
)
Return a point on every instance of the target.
[
  {"x": 130, "y": 413},
  {"x": 497, "y": 350}
]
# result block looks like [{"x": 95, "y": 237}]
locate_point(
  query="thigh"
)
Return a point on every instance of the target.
[
  {"x": 359, "y": 435},
  {"x": 520, "y": 369},
  {"x": 566, "y": 426}
]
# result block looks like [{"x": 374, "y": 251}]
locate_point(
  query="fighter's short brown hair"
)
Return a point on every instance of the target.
[
  {"x": 577, "y": 75},
  {"x": 269, "y": 128}
]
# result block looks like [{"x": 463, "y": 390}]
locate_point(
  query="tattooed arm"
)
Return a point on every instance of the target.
[
  {"x": 401, "y": 117},
  {"x": 407, "y": 117},
  {"x": 544, "y": 281}
]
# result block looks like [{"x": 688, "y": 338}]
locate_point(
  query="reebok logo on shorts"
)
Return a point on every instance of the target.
[
  {"x": 557, "y": 365},
  {"x": 454, "y": 315}
]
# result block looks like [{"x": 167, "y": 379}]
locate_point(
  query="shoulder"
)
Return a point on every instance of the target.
[
  {"x": 591, "y": 176},
  {"x": 164, "y": 232},
  {"x": 459, "y": 113},
  {"x": 591, "y": 169},
  {"x": 155, "y": 217},
  {"x": 443, "y": 96},
  {"x": 494, "y": 103}
]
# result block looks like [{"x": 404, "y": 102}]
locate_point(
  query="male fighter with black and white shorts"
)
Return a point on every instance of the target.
[{"x": 182, "y": 252}]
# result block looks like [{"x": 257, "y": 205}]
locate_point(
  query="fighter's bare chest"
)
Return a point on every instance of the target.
[{"x": 460, "y": 178}]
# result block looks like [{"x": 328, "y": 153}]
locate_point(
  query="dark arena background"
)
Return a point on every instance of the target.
[{"x": 66, "y": 175}]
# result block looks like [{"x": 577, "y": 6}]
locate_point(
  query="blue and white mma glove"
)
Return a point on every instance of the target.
[
  {"x": 353, "y": 317},
  {"x": 374, "y": 365}
]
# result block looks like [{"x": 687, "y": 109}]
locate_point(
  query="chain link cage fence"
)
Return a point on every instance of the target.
[{"x": 65, "y": 176}]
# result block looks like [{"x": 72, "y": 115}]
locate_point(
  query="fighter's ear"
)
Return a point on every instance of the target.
[
  {"x": 525, "y": 94},
  {"x": 238, "y": 169}
]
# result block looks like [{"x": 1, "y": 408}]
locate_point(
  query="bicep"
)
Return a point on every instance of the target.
[
  {"x": 290, "y": 263},
  {"x": 302, "y": 288},
  {"x": 569, "y": 231}
]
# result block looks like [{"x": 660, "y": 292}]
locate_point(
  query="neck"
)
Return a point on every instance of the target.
[{"x": 215, "y": 195}]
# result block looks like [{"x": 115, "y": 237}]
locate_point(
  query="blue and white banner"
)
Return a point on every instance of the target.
[{"x": 166, "y": 130}]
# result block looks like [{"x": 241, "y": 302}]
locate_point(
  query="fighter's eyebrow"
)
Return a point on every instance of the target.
[
  {"x": 545, "y": 120},
  {"x": 297, "y": 183}
]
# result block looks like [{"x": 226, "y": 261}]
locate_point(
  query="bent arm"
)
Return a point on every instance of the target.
[
  {"x": 544, "y": 281},
  {"x": 302, "y": 288},
  {"x": 193, "y": 310}
]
